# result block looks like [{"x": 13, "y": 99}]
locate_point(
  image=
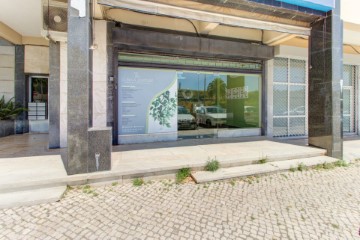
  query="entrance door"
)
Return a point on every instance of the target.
[{"x": 38, "y": 98}]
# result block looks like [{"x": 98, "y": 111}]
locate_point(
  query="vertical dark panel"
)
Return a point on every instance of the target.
[
  {"x": 54, "y": 95},
  {"x": 325, "y": 74},
  {"x": 22, "y": 124},
  {"x": 264, "y": 100}
]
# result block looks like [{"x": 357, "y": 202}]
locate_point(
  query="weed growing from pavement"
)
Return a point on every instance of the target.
[
  {"x": 302, "y": 167},
  {"x": 137, "y": 182},
  {"x": 88, "y": 190},
  {"x": 327, "y": 166},
  {"x": 292, "y": 169},
  {"x": 232, "y": 182},
  {"x": 182, "y": 174},
  {"x": 284, "y": 175},
  {"x": 335, "y": 225},
  {"x": 212, "y": 165},
  {"x": 263, "y": 160},
  {"x": 341, "y": 163},
  {"x": 114, "y": 184}
]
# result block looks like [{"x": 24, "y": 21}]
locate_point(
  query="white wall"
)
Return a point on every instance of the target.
[
  {"x": 350, "y": 11},
  {"x": 63, "y": 94},
  {"x": 37, "y": 59},
  {"x": 100, "y": 74},
  {"x": 7, "y": 71}
]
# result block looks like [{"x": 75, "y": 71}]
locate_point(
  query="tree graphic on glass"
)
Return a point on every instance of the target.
[{"x": 163, "y": 109}]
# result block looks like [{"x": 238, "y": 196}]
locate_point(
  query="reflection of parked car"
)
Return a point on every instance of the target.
[
  {"x": 296, "y": 111},
  {"x": 211, "y": 115},
  {"x": 185, "y": 119},
  {"x": 250, "y": 110}
]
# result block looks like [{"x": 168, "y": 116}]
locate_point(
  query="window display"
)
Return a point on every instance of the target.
[{"x": 220, "y": 100}]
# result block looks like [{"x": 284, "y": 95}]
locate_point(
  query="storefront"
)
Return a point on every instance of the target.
[{"x": 189, "y": 90}]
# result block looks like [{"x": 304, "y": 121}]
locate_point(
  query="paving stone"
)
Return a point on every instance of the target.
[{"x": 311, "y": 204}]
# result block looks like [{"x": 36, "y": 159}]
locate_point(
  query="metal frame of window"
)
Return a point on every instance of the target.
[
  {"x": 353, "y": 101},
  {"x": 288, "y": 83}
]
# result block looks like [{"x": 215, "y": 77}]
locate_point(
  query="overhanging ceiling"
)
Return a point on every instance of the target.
[{"x": 195, "y": 10}]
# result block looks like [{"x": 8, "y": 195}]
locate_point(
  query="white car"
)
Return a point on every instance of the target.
[
  {"x": 185, "y": 119},
  {"x": 211, "y": 116}
]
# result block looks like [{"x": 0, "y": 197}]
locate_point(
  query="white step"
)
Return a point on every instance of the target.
[
  {"x": 254, "y": 169},
  {"x": 31, "y": 197}
]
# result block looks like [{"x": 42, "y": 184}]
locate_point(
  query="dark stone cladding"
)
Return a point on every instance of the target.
[
  {"x": 99, "y": 149},
  {"x": 325, "y": 74},
  {"x": 54, "y": 95},
  {"x": 84, "y": 142},
  {"x": 79, "y": 80},
  {"x": 21, "y": 122},
  {"x": 178, "y": 44}
]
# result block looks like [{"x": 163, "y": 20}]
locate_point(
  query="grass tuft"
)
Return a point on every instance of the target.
[
  {"x": 182, "y": 174},
  {"x": 137, "y": 182},
  {"x": 302, "y": 167},
  {"x": 212, "y": 165}
]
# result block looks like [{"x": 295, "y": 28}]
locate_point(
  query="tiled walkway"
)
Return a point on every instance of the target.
[{"x": 315, "y": 204}]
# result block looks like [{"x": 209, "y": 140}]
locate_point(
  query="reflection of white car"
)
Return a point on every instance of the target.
[
  {"x": 295, "y": 111},
  {"x": 211, "y": 115},
  {"x": 185, "y": 119}
]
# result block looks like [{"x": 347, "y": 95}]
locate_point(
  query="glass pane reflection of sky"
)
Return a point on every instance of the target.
[{"x": 200, "y": 81}]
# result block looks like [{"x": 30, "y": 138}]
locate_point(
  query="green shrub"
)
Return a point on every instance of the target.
[
  {"x": 212, "y": 165},
  {"x": 182, "y": 174},
  {"x": 138, "y": 182},
  {"x": 10, "y": 109}
]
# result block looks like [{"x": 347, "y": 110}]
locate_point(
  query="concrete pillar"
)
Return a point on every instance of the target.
[
  {"x": 325, "y": 76},
  {"x": 54, "y": 95},
  {"x": 21, "y": 123},
  {"x": 89, "y": 149},
  {"x": 79, "y": 79}
]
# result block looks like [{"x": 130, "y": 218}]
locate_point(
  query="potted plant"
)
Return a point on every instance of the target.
[{"x": 9, "y": 110}]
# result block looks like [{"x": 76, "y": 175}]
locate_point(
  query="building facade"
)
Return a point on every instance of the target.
[{"x": 93, "y": 74}]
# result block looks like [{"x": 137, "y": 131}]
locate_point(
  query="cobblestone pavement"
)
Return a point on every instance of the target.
[{"x": 314, "y": 204}]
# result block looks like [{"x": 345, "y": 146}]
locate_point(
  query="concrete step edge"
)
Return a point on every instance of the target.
[
  {"x": 258, "y": 169},
  {"x": 31, "y": 197},
  {"x": 106, "y": 176}
]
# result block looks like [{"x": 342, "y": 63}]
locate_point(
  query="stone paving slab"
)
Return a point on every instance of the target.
[
  {"x": 314, "y": 204},
  {"x": 230, "y": 154},
  {"x": 351, "y": 150},
  {"x": 30, "y": 169},
  {"x": 257, "y": 169},
  {"x": 31, "y": 197}
]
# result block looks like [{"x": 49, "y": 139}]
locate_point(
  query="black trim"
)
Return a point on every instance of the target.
[
  {"x": 264, "y": 100},
  {"x": 115, "y": 97},
  {"x": 185, "y": 67},
  {"x": 182, "y": 45}
]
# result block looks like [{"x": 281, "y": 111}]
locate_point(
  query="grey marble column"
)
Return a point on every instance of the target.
[
  {"x": 21, "y": 123},
  {"x": 325, "y": 76},
  {"x": 79, "y": 88},
  {"x": 54, "y": 95},
  {"x": 89, "y": 149}
]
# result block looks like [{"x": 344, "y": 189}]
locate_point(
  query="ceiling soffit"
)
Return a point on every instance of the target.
[{"x": 249, "y": 9}]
